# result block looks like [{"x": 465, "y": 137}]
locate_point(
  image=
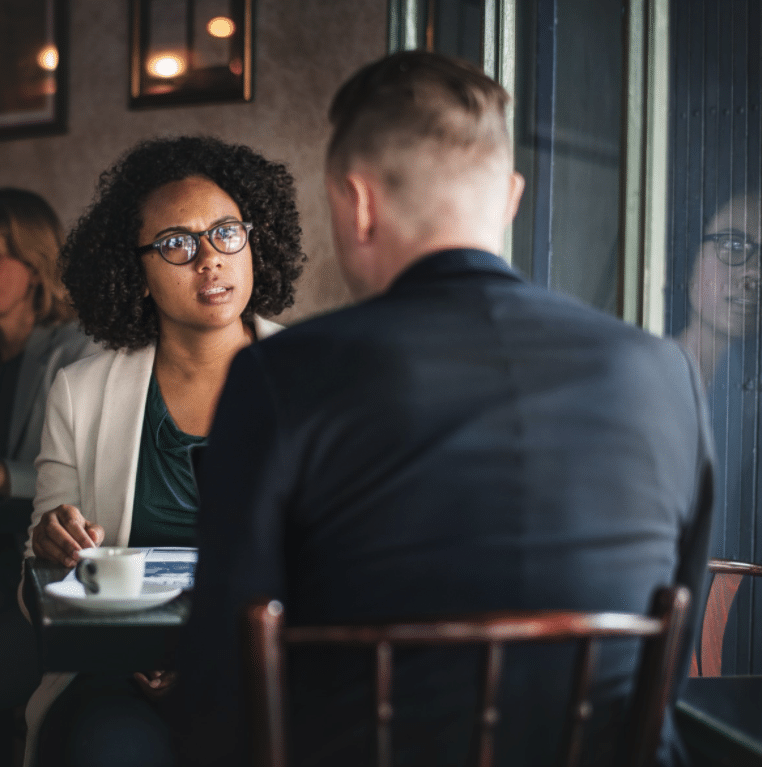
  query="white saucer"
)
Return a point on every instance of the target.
[{"x": 73, "y": 593}]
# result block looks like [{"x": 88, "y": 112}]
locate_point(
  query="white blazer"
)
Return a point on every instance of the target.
[{"x": 89, "y": 459}]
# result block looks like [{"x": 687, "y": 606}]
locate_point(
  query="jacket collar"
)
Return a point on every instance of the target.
[
  {"x": 31, "y": 373},
  {"x": 458, "y": 261}
]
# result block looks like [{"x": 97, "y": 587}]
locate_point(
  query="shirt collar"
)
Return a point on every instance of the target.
[{"x": 456, "y": 261}]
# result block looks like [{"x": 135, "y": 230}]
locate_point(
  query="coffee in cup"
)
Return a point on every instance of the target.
[{"x": 111, "y": 572}]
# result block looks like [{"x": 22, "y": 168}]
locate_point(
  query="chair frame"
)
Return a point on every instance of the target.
[
  {"x": 722, "y": 592},
  {"x": 264, "y": 636}
]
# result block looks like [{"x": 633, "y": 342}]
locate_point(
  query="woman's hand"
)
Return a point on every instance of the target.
[
  {"x": 155, "y": 684},
  {"x": 61, "y": 533}
]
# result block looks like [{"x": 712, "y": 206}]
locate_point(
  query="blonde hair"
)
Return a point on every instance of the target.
[{"x": 34, "y": 236}]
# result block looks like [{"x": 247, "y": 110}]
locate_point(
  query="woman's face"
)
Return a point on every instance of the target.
[
  {"x": 211, "y": 291},
  {"x": 17, "y": 283},
  {"x": 723, "y": 296}
]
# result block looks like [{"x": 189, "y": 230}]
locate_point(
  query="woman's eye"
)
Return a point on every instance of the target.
[
  {"x": 730, "y": 244},
  {"x": 176, "y": 243},
  {"x": 227, "y": 232}
]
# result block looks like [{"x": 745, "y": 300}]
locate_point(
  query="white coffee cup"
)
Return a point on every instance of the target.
[{"x": 111, "y": 572}]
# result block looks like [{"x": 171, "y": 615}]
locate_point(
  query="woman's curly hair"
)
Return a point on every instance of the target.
[{"x": 104, "y": 275}]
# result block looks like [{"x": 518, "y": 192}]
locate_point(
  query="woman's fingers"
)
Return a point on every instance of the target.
[
  {"x": 45, "y": 548},
  {"x": 62, "y": 532},
  {"x": 95, "y": 532}
]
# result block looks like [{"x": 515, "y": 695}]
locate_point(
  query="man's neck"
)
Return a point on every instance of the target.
[{"x": 397, "y": 262}]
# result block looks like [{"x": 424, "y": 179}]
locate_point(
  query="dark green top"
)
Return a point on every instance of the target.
[{"x": 166, "y": 503}]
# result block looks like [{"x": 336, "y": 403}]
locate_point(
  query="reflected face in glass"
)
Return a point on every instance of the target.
[
  {"x": 212, "y": 290},
  {"x": 17, "y": 282},
  {"x": 726, "y": 296}
]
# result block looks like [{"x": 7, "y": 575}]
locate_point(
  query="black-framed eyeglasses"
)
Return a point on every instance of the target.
[
  {"x": 182, "y": 247},
  {"x": 732, "y": 249}
]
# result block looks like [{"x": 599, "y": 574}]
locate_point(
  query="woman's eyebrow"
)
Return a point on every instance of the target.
[
  {"x": 740, "y": 233},
  {"x": 180, "y": 228}
]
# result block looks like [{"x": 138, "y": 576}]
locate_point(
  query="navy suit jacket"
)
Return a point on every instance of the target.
[{"x": 464, "y": 442}]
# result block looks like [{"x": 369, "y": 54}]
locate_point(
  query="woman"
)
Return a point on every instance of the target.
[
  {"x": 37, "y": 337},
  {"x": 36, "y": 333},
  {"x": 724, "y": 285},
  {"x": 723, "y": 335},
  {"x": 189, "y": 242}
]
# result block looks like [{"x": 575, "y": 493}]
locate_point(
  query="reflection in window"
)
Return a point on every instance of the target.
[
  {"x": 569, "y": 100},
  {"x": 713, "y": 290}
]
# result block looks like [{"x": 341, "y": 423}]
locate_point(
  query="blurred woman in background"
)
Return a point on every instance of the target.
[{"x": 37, "y": 337}]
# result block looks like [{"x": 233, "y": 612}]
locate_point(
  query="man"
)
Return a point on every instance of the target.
[{"x": 459, "y": 441}]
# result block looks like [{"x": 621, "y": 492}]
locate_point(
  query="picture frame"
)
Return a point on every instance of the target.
[
  {"x": 34, "y": 59},
  {"x": 190, "y": 52}
]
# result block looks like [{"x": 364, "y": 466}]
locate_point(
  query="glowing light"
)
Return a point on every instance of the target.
[
  {"x": 236, "y": 66},
  {"x": 220, "y": 26},
  {"x": 166, "y": 65},
  {"x": 47, "y": 58}
]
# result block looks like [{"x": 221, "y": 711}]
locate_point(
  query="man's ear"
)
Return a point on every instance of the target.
[
  {"x": 515, "y": 190},
  {"x": 364, "y": 206}
]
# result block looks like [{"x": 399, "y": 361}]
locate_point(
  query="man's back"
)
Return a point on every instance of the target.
[
  {"x": 463, "y": 443},
  {"x": 477, "y": 416}
]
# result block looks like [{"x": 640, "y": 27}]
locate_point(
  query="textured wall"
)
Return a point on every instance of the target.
[{"x": 305, "y": 49}]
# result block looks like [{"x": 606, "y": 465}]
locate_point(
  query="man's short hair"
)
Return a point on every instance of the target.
[{"x": 412, "y": 98}]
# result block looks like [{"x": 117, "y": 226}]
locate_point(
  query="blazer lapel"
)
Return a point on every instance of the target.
[
  {"x": 118, "y": 444},
  {"x": 31, "y": 374}
]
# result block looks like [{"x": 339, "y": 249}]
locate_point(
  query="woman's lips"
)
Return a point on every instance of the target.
[
  {"x": 744, "y": 302},
  {"x": 215, "y": 294}
]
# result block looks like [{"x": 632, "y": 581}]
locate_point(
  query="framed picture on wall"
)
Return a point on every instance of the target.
[
  {"x": 33, "y": 67},
  {"x": 191, "y": 51}
]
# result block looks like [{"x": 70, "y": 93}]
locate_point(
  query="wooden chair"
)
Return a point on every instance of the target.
[
  {"x": 264, "y": 636},
  {"x": 726, "y": 578}
]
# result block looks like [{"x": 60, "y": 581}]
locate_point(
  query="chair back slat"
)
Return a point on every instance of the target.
[
  {"x": 384, "y": 710},
  {"x": 488, "y": 715},
  {"x": 655, "y": 678},
  {"x": 722, "y": 592},
  {"x": 264, "y": 637},
  {"x": 580, "y": 707},
  {"x": 727, "y": 575},
  {"x": 263, "y": 666}
]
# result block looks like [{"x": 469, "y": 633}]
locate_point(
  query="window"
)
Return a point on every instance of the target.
[
  {"x": 713, "y": 279},
  {"x": 587, "y": 88}
]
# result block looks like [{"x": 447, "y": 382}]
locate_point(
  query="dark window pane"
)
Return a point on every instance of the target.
[{"x": 713, "y": 297}]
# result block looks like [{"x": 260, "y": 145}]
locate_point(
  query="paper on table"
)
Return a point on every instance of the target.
[
  {"x": 167, "y": 566},
  {"x": 171, "y": 566}
]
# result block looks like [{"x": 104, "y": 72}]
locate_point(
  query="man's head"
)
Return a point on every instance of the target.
[{"x": 419, "y": 160}]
